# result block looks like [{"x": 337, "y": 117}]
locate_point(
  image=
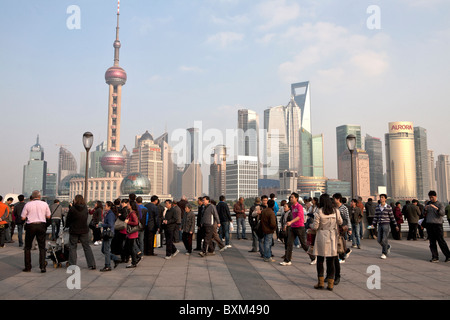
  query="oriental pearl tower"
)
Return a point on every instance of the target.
[{"x": 113, "y": 161}]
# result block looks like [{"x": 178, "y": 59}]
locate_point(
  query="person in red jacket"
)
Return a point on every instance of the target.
[
  {"x": 4, "y": 214},
  {"x": 132, "y": 220}
]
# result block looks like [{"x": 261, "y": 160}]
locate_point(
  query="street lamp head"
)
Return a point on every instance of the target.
[
  {"x": 88, "y": 140},
  {"x": 351, "y": 142}
]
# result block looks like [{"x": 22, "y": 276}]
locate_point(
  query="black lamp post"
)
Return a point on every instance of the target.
[
  {"x": 351, "y": 145},
  {"x": 88, "y": 140}
]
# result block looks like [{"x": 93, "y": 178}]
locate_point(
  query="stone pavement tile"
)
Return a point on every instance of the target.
[
  {"x": 12, "y": 283},
  {"x": 226, "y": 292},
  {"x": 26, "y": 293},
  {"x": 202, "y": 292},
  {"x": 172, "y": 279},
  {"x": 57, "y": 293},
  {"x": 95, "y": 293},
  {"x": 167, "y": 293},
  {"x": 288, "y": 291},
  {"x": 133, "y": 281},
  {"x": 130, "y": 293}
]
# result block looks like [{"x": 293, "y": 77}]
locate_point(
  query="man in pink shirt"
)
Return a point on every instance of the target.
[
  {"x": 35, "y": 214},
  {"x": 296, "y": 227}
]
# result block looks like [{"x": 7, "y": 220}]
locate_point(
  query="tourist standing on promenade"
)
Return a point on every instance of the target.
[
  {"x": 370, "y": 214},
  {"x": 108, "y": 223},
  {"x": 210, "y": 217},
  {"x": 355, "y": 217},
  {"x": 200, "y": 230},
  {"x": 56, "y": 217},
  {"x": 225, "y": 220},
  {"x": 96, "y": 219},
  {"x": 34, "y": 214},
  {"x": 297, "y": 225},
  {"x": 239, "y": 210},
  {"x": 253, "y": 216},
  {"x": 18, "y": 208},
  {"x": 412, "y": 215},
  {"x": 4, "y": 214},
  {"x": 78, "y": 231},
  {"x": 434, "y": 213},
  {"x": 151, "y": 226},
  {"x": 343, "y": 229},
  {"x": 188, "y": 228},
  {"x": 133, "y": 221},
  {"x": 268, "y": 226},
  {"x": 384, "y": 216},
  {"x": 170, "y": 226},
  {"x": 326, "y": 224}
]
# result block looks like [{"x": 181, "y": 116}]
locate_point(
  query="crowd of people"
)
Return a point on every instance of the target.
[{"x": 128, "y": 230}]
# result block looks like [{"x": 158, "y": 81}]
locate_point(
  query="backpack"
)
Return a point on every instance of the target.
[{"x": 258, "y": 228}]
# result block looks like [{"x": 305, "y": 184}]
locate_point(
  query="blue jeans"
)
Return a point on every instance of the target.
[
  {"x": 240, "y": 223},
  {"x": 356, "y": 236},
  {"x": 224, "y": 231},
  {"x": 265, "y": 246},
  {"x": 383, "y": 233},
  {"x": 106, "y": 250}
]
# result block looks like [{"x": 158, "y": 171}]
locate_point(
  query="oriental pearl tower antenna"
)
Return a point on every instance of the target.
[
  {"x": 113, "y": 160},
  {"x": 115, "y": 77}
]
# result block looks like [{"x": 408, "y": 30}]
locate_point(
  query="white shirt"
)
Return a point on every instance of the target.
[{"x": 36, "y": 211}]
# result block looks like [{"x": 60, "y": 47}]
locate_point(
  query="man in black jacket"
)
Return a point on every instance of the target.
[
  {"x": 151, "y": 226},
  {"x": 200, "y": 233},
  {"x": 210, "y": 217},
  {"x": 225, "y": 218},
  {"x": 18, "y": 207},
  {"x": 170, "y": 225}
]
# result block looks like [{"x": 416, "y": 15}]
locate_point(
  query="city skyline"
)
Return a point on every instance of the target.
[{"x": 380, "y": 72}]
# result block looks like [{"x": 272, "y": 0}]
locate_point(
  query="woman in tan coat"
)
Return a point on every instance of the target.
[{"x": 326, "y": 223}]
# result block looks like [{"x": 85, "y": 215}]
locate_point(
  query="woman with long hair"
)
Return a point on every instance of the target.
[
  {"x": 326, "y": 223},
  {"x": 132, "y": 220},
  {"x": 96, "y": 219},
  {"x": 78, "y": 231},
  {"x": 108, "y": 224}
]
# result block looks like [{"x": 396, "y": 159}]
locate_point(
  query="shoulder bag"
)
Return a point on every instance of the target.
[{"x": 340, "y": 239}]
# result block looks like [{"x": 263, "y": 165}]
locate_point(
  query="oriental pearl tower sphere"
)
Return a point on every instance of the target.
[
  {"x": 113, "y": 162},
  {"x": 115, "y": 77}
]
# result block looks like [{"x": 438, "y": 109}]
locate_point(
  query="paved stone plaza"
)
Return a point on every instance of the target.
[{"x": 235, "y": 275}]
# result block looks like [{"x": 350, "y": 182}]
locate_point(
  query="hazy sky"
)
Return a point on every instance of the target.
[{"x": 202, "y": 60}]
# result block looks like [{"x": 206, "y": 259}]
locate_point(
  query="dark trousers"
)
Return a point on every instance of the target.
[
  {"x": 33, "y": 230},
  {"x": 330, "y": 266},
  {"x": 187, "y": 240},
  {"x": 207, "y": 242},
  {"x": 200, "y": 237},
  {"x": 130, "y": 250},
  {"x": 170, "y": 247},
  {"x": 436, "y": 235},
  {"x": 2, "y": 235},
  {"x": 412, "y": 232},
  {"x": 149, "y": 242},
  {"x": 294, "y": 232}
]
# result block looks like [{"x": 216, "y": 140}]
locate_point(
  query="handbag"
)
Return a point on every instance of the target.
[
  {"x": 340, "y": 240},
  {"x": 133, "y": 229},
  {"x": 157, "y": 240},
  {"x": 119, "y": 225},
  {"x": 107, "y": 233}
]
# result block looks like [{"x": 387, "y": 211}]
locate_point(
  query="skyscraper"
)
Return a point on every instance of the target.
[
  {"x": 422, "y": 173},
  {"x": 293, "y": 135},
  {"x": 146, "y": 158},
  {"x": 317, "y": 156},
  {"x": 217, "y": 172},
  {"x": 115, "y": 77},
  {"x": 242, "y": 178},
  {"x": 248, "y": 122},
  {"x": 431, "y": 170},
  {"x": 169, "y": 174},
  {"x": 67, "y": 164},
  {"x": 276, "y": 155},
  {"x": 443, "y": 178},
  {"x": 341, "y": 142},
  {"x": 401, "y": 161},
  {"x": 35, "y": 171},
  {"x": 302, "y": 95},
  {"x": 192, "y": 179},
  {"x": 374, "y": 149}
]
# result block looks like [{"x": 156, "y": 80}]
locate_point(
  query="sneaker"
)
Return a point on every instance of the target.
[
  {"x": 313, "y": 261},
  {"x": 223, "y": 249},
  {"x": 284, "y": 263},
  {"x": 96, "y": 243},
  {"x": 228, "y": 246},
  {"x": 341, "y": 261},
  {"x": 269, "y": 260},
  {"x": 202, "y": 254},
  {"x": 187, "y": 253},
  {"x": 105, "y": 269},
  {"x": 168, "y": 257},
  {"x": 434, "y": 260},
  {"x": 389, "y": 249},
  {"x": 175, "y": 253},
  {"x": 131, "y": 266},
  {"x": 383, "y": 256}
]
